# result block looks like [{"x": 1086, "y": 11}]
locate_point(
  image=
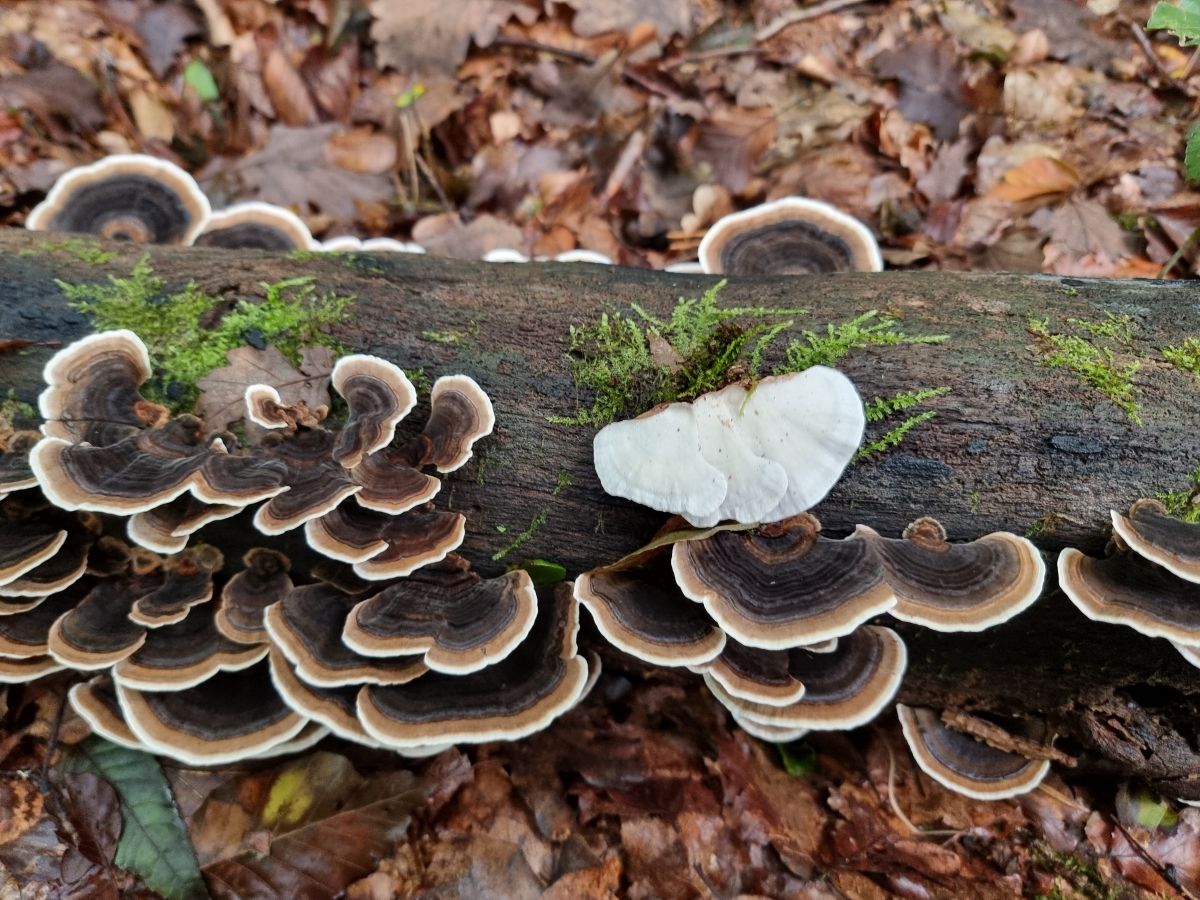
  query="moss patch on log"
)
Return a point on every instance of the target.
[{"x": 1091, "y": 361}]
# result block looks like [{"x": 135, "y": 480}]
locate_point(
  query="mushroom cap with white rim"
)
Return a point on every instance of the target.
[
  {"x": 791, "y": 235},
  {"x": 1149, "y": 531},
  {"x": 256, "y": 225},
  {"x": 130, "y": 197},
  {"x": 754, "y": 456}
]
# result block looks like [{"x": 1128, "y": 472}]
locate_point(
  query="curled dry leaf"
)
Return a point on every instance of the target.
[
  {"x": 222, "y": 397},
  {"x": 423, "y": 36}
]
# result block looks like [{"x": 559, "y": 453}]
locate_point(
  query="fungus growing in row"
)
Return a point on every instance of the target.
[
  {"x": 759, "y": 455},
  {"x": 187, "y": 581},
  {"x": 843, "y": 689},
  {"x": 335, "y": 708},
  {"x": 255, "y": 225},
  {"x": 389, "y": 484},
  {"x": 184, "y": 654},
  {"x": 460, "y": 622},
  {"x": 964, "y": 764},
  {"x": 97, "y": 632},
  {"x": 775, "y": 734},
  {"x": 418, "y": 538},
  {"x": 26, "y": 545},
  {"x": 461, "y": 413},
  {"x": 789, "y": 236},
  {"x": 150, "y": 468},
  {"x": 127, "y": 197},
  {"x": 543, "y": 678},
  {"x": 225, "y": 718},
  {"x": 782, "y": 585},
  {"x": 18, "y": 671},
  {"x": 578, "y": 255},
  {"x": 306, "y": 626},
  {"x": 166, "y": 529},
  {"x": 957, "y": 587},
  {"x": 95, "y": 701},
  {"x": 25, "y": 633},
  {"x": 92, "y": 390},
  {"x": 758, "y": 676},
  {"x": 316, "y": 484},
  {"x": 57, "y": 573},
  {"x": 1149, "y": 531},
  {"x": 246, "y": 595},
  {"x": 642, "y": 612},
  {"x": 346, "y": 243},
  {"x": 378, "y": 395},
  {"x": 1125, "y": 589},
  {"x": 15, "y": 473}
]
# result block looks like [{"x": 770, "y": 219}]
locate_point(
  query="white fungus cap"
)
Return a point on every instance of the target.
[{"x": 752, "y": 456}]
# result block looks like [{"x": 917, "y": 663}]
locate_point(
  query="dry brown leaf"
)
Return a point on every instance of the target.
[
  {"x": 669, "y": 17},
  {"x": 363, "y": 151},
  {"x": 1036, "y": 177},
  {"x": 931, "y": 83},
  {"x": 429, "y": 35},
  {"x": 1083, "y": 226},
  {"x": 287, "y": 90},
  {"x": 164, "y": 29},
  {"x": 222, "y": 401},
  {"x": 55, "y": 92},
  {"x": 444, "y": 235},
  {"x": 296, "y": 170},
  {"x": 153, "y": 119}
]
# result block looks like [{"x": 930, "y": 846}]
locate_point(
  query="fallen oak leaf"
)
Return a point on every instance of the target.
[
  {"x": 1039, "y": 176},
  {"x": 427, "y": 35},
  {"x": 222, "y": 397}
]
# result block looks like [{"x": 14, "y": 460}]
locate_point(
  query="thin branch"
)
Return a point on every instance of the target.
[{"x": 787, "y": 20}]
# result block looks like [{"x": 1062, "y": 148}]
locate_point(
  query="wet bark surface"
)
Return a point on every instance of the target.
[{"x": 1015, "y": 445}]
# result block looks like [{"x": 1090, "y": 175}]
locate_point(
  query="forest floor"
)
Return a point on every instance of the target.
[{"x": 1015, "y": 135}]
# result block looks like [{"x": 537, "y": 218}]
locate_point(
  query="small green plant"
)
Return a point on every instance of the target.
[
  {"x": 534, "y": 524},
  {"x": 187, "y": 335},
  {"x": 1183, "y": 21},
  {"x": 1185, "y": 356},
  {"x": 882, "y": 408},
  {"x": 868, "y": 330},
  {"x": 1091, "y": 363},
  {"x": 1183, "y": 503}
]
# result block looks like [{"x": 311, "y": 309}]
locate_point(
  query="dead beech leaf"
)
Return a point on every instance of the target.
[
  {"x": 287, "y": 90},
  {"x": 296, "y": 169},
  {"x": 55, "y": 92},
  {"x": 1036, "y": 177},
  {"x": 363, "y": 151},
  {"x": 444, "y": 235},
  {"x": 931, "y": 83},
  {"x": 164, "y": 29},
  {"x": 310, "y": 827},
  {"x": 153, "y": 119},
  {"x": 429, "y": 35},
  {"x": 222, "y": 401},
  {"x": 1081, "y": 227},
  {"x": 669, "y": 17}
]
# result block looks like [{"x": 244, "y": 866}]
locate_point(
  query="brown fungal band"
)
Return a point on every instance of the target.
[
  {"x": 225, "y": 718},
  {"x": 26, "y": 545},
  {"x": 646, "y": 616},
  {"x": 1149, "y": 531},
  {"x": 263, "y": 581},
  {"x": 842, "y": 689},
  {"x": 127, "y": 197},
  {"x": 255, "y": 225},
  {"x": 783, "y": 585},
  {"x": 96, "y": 703},
  {"x": 789, "y": 236},
  {"x": 1125, "y": 589},
  {"x": 417, "y": 538},
  {"x": 461, "y": 414},
  {"x": 957, "y": 587},
  {"x": 458, "y": 621},
  {"x": 184, "y": 654},
  {"x": 25, "y": 634},
  {"x": 187, "y": 582},
  {"x": 335, "y": 708},
  {"x": 166, "y": 528},
  {"x": 378, "y": 395},
  {"x": 315, "y": 483},
  {"x": 776, "y": 734},
  {"x": 758, "y": 676},
  {"x": 543, "y": 678},
  {"x": 389, "y": 484},
  {"x": 151, "y": 468},
  {"x": 963, "y": 764},
  {"x": 92, "y": 390},
  {"x": 97, "y": 632},
  {"x": 751, "y": 456},
  {"x": 306, "y": 626}
]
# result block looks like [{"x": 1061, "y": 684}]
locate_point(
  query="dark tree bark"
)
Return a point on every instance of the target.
[{"x": 1015, "y": 445}]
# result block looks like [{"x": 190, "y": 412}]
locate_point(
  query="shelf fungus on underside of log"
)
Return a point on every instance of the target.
[{"x": 963, "y": 763}]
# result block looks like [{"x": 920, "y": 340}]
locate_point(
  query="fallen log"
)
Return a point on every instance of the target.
[{"x": 1015, "y": 444}]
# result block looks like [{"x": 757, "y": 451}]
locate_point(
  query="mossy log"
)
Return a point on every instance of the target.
[{"x": 1015, "y": 445}]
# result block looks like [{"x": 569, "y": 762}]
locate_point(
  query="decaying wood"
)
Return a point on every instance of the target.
[{"x": 1014, "y": 444}]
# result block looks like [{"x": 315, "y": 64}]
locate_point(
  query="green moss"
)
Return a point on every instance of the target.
[
  {"x": 420, "y": 380},
  {"x": 16, "y": 412},
  {"x": 534, "y": 524},
  {"x": 1091, "y": 362},
  {"x": 631, "y": 362},
  {"x": 450, "y": 337},
  {"x": 83, "y": 250},
  {"x": 307, "y": 255},
  {"x": 1078, "y": 874},
  {"x": 867, "y": 330},
  {"x": 1183, "y": 504},
  {"x": 1185, "y": 356},
  {"x": 561, "y": 483},
  {"x": 188, "y": 336},
  {"x": 974, "y": 501},
  {"x": 881, "y": 409},
  {"x": 1118, "y": 328}
]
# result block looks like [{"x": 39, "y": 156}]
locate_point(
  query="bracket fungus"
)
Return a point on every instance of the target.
[
  {"x": 963, "y": 763},
  {"x": 755, "y": 456},
  {"x": 1149, "y": 531},
  {"x": 370, "y": 647},
  {"x": 255, "y": 225},
  {"x": 789, "y": 236},
  {"x": 127, "y": 197}
]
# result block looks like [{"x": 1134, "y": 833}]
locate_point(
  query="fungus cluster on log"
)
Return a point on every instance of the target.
[
  {"x": 1149, "y": 581},
  {"x": 774, "y": 614},
  {"x": 392, "y": 641}
]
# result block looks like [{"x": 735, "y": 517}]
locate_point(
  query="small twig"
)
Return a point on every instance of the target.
[
  {"x": 703, "y": 55},
  {"x": 1143, "y": 42},
  {"x": 1153, "y": 863},
  {"x": 895, "y": 804},
  {"x": 995, "y": 736},
  {"x": 630, "y": 154},
  {"x": 788, "y": 19},
  {"x": 1179, "y": 253},
  {"x": 437, "y": 187},
  {"x": 627, "y": 75}
]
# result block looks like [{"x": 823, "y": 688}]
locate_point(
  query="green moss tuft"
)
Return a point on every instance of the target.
[
  {"x": 17, "y": 413},
  {"x": 1092, "y": 363},
  {"x": 534, "y": 524},
  {"x": 1185, "y": 356},
  {"x": 1183, "y": 504},
  {"x": 184, "y": 344},
  {"x": 881, "y": 409},
  {"x": 839, "y": 340}
]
